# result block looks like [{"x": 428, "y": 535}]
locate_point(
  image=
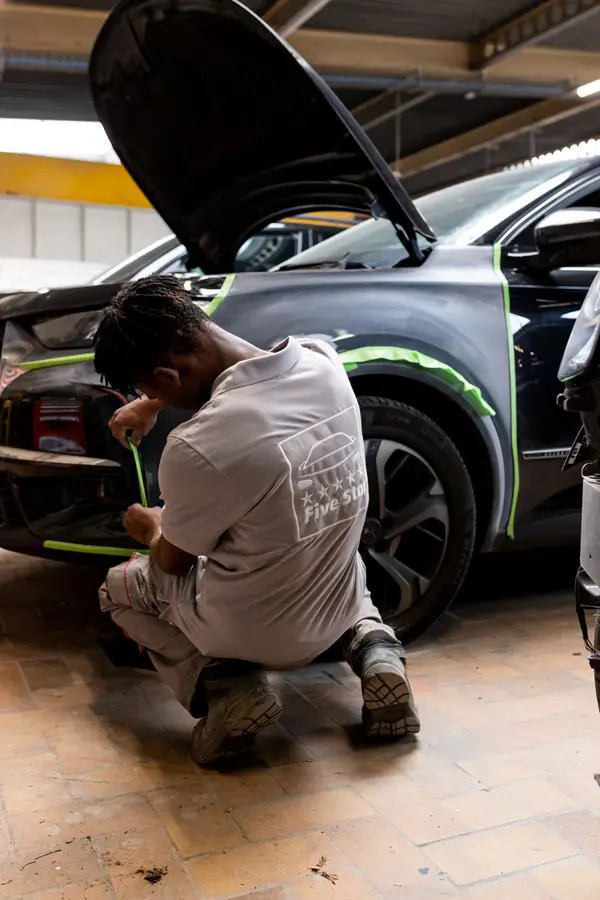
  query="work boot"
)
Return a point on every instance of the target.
[
  {"x": 238, "y": 709},
  {"x": 389, "y": 709}
]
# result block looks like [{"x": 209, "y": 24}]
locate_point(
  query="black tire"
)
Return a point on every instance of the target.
[{"x": 384, "y": 423}]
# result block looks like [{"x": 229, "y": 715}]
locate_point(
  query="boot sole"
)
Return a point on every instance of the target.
[
  {"x": 240, "y": 739},
  {"x": 389, "y": 710}
]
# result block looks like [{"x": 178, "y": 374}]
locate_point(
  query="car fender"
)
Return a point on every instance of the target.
[{"x": 398, "y": 362}]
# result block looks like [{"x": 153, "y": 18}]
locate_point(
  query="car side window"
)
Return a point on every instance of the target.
[
  {"x": 263, "y": 251},
  {"x": 179, "y": 266},
  {"x": 258, "y": 254}
]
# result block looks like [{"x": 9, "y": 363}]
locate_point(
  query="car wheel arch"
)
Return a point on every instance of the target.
[{"x": 463, "y": 425}]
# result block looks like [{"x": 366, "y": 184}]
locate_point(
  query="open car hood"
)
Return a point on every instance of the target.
[{"x": 225, "y": 128}]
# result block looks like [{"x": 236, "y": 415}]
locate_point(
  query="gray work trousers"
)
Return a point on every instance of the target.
[{"x": 139, "y": 598}]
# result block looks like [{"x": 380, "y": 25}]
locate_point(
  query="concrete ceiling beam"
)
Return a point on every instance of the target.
[
  {"x": 536, "y": 116},
  {"x": 48, "y": 29},
  {"x": 544, "y": 21},
  {"x": 287, "y": 16},
  {"x": 367, "y": 54},
  {"x": 67, "y": 31}
]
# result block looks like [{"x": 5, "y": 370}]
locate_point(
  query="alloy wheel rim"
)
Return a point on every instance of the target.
[{"x": 405, "y": 536}]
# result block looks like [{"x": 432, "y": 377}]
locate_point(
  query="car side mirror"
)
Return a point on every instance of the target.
[{"x": 569, "y": 237}]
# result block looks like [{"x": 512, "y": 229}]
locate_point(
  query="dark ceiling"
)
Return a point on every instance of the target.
[
  {"x": 460, "y": 20},
  {"x": 441, "y": 114}
]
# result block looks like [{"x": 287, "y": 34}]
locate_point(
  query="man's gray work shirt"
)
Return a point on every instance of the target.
[{"x": 268, "y": 483}]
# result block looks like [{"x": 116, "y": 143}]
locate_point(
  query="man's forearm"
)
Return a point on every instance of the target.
[
  {"x": 144, "y": 526},
  {"x": 153, "y": 406},
  {"x": 134, "y": 420},
  {"x": 168, "y": 558}
]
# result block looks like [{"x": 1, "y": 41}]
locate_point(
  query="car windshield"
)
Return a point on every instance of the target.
[
  {"x": 133, "y": 265},
  {"x": 459, "y": 214}
]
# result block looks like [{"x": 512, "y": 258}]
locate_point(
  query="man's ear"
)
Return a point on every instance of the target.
[{"x": 164, "y": 374}]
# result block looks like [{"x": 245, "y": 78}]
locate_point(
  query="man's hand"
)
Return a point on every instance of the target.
[
  {"x": 141, "y": 524},
  {"x": 135, "y": 420}
]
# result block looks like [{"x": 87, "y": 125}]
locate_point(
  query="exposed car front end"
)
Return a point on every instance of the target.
[{"x": 63, "y": 479}]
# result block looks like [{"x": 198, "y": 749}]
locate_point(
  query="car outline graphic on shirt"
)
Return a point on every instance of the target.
[{"x": 346, "y": 448}]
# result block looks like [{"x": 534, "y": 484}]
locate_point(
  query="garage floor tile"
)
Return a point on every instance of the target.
[{"x": 496, "y": 800}]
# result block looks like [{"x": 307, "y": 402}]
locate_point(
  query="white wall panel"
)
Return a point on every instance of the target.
[
  {"x": 146, "y": 228},
  {"x": 51, "y": 230},
  {"x": 57, "y": 230},
  {"x": 16, "y": 226},
  {"x": 106, "y": 234}
]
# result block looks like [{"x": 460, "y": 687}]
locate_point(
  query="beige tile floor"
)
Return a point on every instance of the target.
[{"x": 496, "y": 801}]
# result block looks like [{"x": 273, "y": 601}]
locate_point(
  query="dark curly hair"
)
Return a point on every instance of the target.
[{"x": 147, "y": 320}]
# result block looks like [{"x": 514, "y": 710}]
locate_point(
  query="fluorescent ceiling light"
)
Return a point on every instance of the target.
[
  {"x": 63, "y": 139},
  {"x": 586, "y": 90},
  {"x": 582, "y": 150}
]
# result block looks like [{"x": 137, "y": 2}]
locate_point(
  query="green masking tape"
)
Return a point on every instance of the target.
[
  {"x": 137, "y": 458},
  {"x": 512, "y": 378},
  {"x": 31, "y": 365},
  {"x": 95, "y": 550},
  {"x": 91, "y": 549},
  {"x": 351, "y": 360},
  {"x": 216, "y": 301}
]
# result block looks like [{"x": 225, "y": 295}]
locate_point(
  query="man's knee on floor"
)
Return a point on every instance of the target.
[
  {"x": 130, "y": 585},
  {"x": 109, "y": 595}
]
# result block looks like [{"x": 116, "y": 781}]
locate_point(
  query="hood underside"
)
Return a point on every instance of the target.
[{"x": 225, "y": 128}]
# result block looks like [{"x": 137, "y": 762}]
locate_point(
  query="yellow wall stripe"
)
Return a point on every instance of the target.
[
  {"x": 71, "y": 180},
  {"x": 76, "y": 181}
]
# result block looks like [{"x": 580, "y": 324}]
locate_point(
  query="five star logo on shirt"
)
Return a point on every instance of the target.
[{"x": 327, "y": 473}]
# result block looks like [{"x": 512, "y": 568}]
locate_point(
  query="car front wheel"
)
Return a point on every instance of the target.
[{"x": 419, "y": 532}]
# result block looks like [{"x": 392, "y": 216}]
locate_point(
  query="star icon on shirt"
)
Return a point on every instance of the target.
[
  {"x": 351, "y": 478},
  {"x": 307, "y": 498},
  {"x": 323, "y": 493},
  {"x": 337, "y": 485}
]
